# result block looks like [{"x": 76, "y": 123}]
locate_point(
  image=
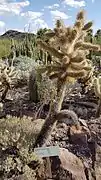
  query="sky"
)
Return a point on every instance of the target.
[{"x": 30, "y": 15}]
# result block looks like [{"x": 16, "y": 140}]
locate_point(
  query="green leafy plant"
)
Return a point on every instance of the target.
[{"x": 69, "y": 50}]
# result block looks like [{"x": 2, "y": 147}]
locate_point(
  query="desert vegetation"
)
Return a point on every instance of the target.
[{"x": 50, "y": 95}]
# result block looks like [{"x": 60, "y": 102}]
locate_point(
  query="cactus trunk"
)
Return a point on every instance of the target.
[
  {"x": 51, "y": 120},
  {"x": 98, "y": 109},
  {"x": 5, "y": 92}
]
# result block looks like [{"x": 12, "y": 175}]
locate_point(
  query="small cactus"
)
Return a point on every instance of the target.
[
  {"x": 65, "y": 116},
  {"x": 7, "y": 75},
  {"x": 33, "y": 89},
  {"x": 97, "y": 89}
]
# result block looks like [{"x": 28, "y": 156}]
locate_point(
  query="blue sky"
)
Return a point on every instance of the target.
[{"x": 30, "y": 15}]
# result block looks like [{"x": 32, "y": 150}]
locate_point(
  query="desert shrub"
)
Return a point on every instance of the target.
[
  {"x": 16, "y": 138},
  {"x": 23, "y": 65},
  {"x": 19, "y": 132},
  {"x": 5, "y": 47}
]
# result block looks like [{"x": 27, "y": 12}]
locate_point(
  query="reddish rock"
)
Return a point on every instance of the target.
[
  {"x": 78, "y": 135},
  {"x": 72, "y": 164}
]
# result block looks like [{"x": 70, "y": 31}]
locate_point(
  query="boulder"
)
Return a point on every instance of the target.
[{"x": 72, "y": 164}]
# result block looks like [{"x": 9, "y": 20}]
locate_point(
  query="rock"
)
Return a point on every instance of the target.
[
  {"x": 1, "y": 106},
  {"x": 98, "y": 163},
  {"x": 79, "y": 111},
  {"x": 82, "y": 122},
  {"x": 71, "y": 108},
  {"x": 57, "y": 137},
  {"x": 85, "y": 112},
  {"x": 77, "y": 136},
  {"x": 72, "y": 164},
  {"x": 88, "y": 171},
  {"x": 62, "y": 125}
]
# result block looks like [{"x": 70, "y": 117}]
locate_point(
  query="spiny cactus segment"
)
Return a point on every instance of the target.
[
  {"x": 97, "y": 89},
  {"x": 97, "y": 86}
]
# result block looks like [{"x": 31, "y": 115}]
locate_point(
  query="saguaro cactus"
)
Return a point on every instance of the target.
[
  {"x": 68, "y": 47},
  {"x": 97, "y": 89}
]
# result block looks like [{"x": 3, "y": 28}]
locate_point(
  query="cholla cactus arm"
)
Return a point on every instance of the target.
[
  {"x": 97, "y": 89},
  {"x": 79, "y": 66},
  {"x": 75, "y": 74},
  {"x": 87, "y": 26},
  {"x": 51, "y": 50},
  {"x": 50, "y": 34},
  {"x": 90, "y": 46}
]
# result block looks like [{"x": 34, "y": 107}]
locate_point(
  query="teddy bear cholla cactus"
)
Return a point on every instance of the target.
[
  {"x": 7, "y": 75},
  {"x": 97, "y": 89},
  {"x": 68, "y": 47}
]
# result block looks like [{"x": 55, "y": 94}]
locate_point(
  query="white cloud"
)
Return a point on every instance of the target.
[
  {"x": 41, "y": 23},
  {"x": 2, "y": 24},
  {"x": 74, "y": 3},
  {"x": 93, "y": 1},
  {"x": 54, "y": 6},
  {"x": 35, "y": 25},
  {"x": 2, "y": 27},
  {"x": 9, "y": 6},
  {"x": 31, "y": 15},
  {"x": 58, "y": 14},
  {"x": 34, "y": 21}
]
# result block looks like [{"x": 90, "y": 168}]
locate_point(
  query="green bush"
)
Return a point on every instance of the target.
[
  {"x": 19, "y": 132},
  {"x": 5, "y": 47},
  {"x": 16, "y": 138},
  {"x": 23, "y": 66}
]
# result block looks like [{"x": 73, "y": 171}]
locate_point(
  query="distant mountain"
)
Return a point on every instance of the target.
[{"x": 16, "y": 34}]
